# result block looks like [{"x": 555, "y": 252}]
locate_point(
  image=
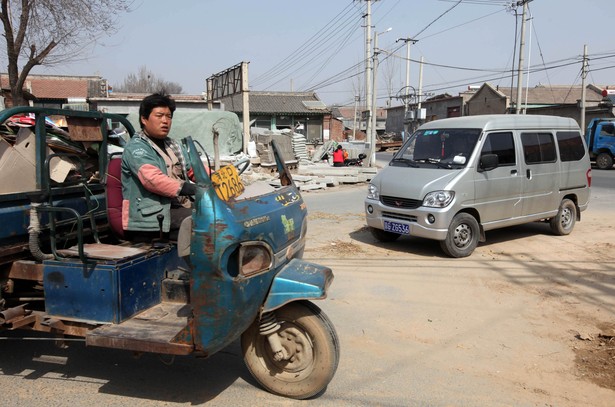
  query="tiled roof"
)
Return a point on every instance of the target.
[
  {"x": 276, "y": 102},
  {"x": 55, "y": 87},
  {"x": 554, "y": 94}
]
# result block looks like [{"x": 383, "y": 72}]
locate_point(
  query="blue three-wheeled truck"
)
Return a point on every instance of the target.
[{"x": 233, "y": 272}]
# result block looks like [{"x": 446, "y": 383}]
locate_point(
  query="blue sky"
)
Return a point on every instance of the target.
[{"x": 319, "y": 44}]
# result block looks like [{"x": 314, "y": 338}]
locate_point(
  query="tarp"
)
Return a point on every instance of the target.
[{"x": 201, "y": 125}]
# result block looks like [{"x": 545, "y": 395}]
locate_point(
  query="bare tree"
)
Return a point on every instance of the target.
[
  {"x": 389, "y": 73},
  {"x": 144, "y": 81},
  {"x": 49, "y": 32}
]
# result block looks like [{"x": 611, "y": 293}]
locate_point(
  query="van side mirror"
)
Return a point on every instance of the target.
[{"x": 488, "y": 162}]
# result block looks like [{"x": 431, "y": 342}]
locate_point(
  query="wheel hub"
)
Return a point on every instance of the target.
[
  {"x": 462, "y": 236},
  {"x": 299, "y": 349},
  {"x": 566, "y": 218}
]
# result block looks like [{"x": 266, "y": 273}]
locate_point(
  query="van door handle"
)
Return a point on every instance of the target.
[
  {"x": 513, "y": 172},
  {"x": 528, "y": 174}
]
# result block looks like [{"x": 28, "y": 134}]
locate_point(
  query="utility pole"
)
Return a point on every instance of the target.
[
  {"x": 408, "y": 41},
  {"x": 354, "y": 123},
  {"x": 420, "y": 95},
  {"x": 374, "y": 109},
  {"x": 521, "y": 45},
  {"x": 368, "y": 67},
  {"x": 583, "y": 76}
]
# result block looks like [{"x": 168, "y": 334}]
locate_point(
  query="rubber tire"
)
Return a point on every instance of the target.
[
  {"x": 604, "y": 161},
  {"x": 383, "y": 235},
  {"x": 305, "y": 330},
  {"x": 563, "y": 223},
  {"x": 465, "y": 227}
]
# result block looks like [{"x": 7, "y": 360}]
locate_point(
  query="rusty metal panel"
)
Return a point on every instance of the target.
[{"x": 26, "y": 270}]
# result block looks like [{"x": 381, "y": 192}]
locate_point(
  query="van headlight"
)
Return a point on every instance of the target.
[
  {"x": 438, "y": 199},
  {"x": 372, "y": 192}
]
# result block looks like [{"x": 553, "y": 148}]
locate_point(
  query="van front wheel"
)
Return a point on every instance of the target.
[
  {"x": 565, "y": 219},
  {"x": 462, "y": 236}
]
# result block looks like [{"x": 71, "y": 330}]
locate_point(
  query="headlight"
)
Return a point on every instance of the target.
[
  {"x": 254, "y": 258},
  {"x": 438, "y": 199},
  {"x": 372, "y": 192}
]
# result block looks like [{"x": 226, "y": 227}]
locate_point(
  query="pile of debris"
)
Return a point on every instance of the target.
[{"x": 309, "y": 172}]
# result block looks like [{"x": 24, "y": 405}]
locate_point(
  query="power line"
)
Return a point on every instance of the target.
[{"x": 330, "y": 32}]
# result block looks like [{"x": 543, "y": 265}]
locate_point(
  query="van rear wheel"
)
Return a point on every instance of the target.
[
  {"x": 462, "y": 236},
  {"x": 563, "y": 223}
]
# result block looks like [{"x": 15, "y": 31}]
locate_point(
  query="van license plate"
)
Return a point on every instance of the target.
[{"x": 396, "y": 227}]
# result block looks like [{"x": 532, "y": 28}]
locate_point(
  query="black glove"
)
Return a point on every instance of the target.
[{"x": 188, "y": 188}]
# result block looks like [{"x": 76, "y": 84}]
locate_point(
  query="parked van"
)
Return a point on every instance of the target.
[{"x": 454, "y": 179}]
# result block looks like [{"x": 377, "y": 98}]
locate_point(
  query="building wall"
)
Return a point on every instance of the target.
[
  {"x": 574, "y": 112},
  {"x": 443, "y": 108},
  {"x": 434, "y": 110},
  {"x": 486, "y": 101},
  {"x": 395, "y": 120},
  {"x": 336, "y": 129}
]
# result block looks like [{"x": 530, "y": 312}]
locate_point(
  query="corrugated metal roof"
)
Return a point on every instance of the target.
[{"x": 277, "y": 103}]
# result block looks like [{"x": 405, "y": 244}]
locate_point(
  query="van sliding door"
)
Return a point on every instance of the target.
[{"x": 540, "y": 173}]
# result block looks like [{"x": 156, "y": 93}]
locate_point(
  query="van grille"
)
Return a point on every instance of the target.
[
  {"x": 400, "y": 202},
  {"x": 399, "y": 216}
]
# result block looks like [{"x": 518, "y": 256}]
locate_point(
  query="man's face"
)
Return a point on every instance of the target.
[{"x": 158, "y": 124}]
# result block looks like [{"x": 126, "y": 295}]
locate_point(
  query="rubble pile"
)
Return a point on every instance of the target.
[{"x": 309, "y": 172}]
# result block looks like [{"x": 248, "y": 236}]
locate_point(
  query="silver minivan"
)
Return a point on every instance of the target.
[{"x": 454, "y": 179}]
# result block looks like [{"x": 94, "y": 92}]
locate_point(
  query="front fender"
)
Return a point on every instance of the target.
[{"x": 298, "y": 280}]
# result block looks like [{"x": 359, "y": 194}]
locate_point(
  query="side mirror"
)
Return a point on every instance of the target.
[
  {"x": 488, "y": 162},
  {"x": 459, "y": 160}
]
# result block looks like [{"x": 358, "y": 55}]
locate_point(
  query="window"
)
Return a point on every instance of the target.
[
  {"x": 262, "y": 122},
  {"x": 538, "y": 148},
  {"x": 502, "y": 145},
  {"x": 607, "y": 130},
  {"x": 570, "y": 145}
]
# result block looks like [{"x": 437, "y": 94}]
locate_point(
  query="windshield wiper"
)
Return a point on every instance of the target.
[
  {"x": 407, "y": 161},
  {"x": 435, "y": 161}
]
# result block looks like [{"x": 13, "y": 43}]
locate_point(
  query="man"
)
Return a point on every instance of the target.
[{"x": 154, "y": 175}]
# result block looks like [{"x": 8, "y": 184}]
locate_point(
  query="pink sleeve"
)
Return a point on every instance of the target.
[{"x": 157, "y": 182}]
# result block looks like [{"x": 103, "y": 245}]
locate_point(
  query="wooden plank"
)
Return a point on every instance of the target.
[
  {"x": 103, "y": 251},
  {"x": 84, "y": 128},
  {"x": 151, "y": 331}
]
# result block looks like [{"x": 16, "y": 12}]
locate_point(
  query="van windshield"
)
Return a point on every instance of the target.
[{"x": 440, "y": 148}]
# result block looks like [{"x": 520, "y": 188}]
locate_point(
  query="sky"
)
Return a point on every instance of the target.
[{"x": 319, "y": 45}]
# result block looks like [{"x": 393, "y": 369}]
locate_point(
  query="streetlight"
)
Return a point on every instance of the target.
[{"x": 374, "y": 112}]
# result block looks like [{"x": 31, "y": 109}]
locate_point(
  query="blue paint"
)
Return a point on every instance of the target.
[{"x": 105, "y": 292}]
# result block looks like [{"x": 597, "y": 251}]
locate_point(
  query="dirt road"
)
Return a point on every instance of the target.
[
  {"x": 516, "y": 324},
  {"x": 528, "y": 319}
]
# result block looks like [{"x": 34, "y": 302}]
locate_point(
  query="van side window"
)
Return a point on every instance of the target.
[
  {"x": 538, "y": 148},
  {"x": 570, "y": 145},
  {"x": 501, "y": 144}
]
